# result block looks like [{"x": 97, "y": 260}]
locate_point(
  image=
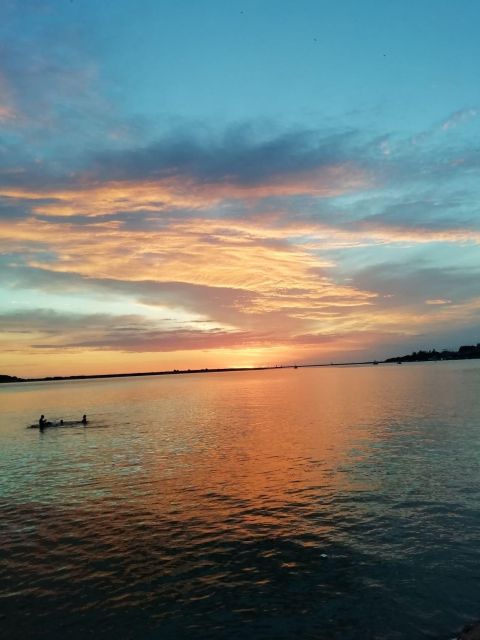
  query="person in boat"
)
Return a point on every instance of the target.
[
  {"x": 84, "y": 419},
  {"x": 42, "y": 423}
]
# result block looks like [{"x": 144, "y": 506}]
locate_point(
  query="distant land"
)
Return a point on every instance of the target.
[
  {"x": 5, "y": 378},
  {"x": 465, "y": 352}
]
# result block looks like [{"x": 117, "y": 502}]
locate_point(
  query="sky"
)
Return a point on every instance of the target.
[{"x": 212, "y": 183}]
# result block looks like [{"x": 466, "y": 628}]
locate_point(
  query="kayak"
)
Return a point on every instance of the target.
[{"x": 65, "y": 423}]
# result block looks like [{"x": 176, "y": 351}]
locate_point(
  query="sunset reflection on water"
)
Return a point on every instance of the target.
[{"x": 284, "y": 502}]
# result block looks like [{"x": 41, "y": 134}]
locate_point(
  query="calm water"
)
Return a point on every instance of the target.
[{"x": 309, "y": 503}]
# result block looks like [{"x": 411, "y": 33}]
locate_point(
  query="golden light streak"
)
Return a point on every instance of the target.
[
  {"x": 284, "y": 276},
  {"x": 93, "y": 199}
]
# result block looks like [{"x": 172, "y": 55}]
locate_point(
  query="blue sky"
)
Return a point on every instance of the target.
[
  {"x": 392, "y": 65},
  {"x": 218, "y": 183}
]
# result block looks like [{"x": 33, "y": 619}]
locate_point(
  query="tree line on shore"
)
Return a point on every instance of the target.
[
  {"x": 464, "y": 353},
  {"x": 4, "y": 378}
]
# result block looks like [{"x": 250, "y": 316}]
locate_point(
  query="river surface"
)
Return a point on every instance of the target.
[{"x": 336, "y": 503}]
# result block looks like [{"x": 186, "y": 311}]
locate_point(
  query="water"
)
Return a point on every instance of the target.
[{"x": 309, "y": 503}]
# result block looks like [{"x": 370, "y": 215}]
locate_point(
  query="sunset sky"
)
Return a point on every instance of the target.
[{"x": 206, "y": 183}]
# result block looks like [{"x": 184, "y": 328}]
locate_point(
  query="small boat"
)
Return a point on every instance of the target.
[{"x": 57, "y": 423}]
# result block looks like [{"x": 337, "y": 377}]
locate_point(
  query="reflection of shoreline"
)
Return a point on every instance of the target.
[{"x": 9, "y": 379}]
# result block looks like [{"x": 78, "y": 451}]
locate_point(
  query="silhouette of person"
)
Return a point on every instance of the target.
[
  {"x": 84, "y": 419},
  {"x": 42, "y": 422}
]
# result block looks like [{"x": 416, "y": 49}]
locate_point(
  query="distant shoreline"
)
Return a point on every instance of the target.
[
  {"x": 173, "y": 372},
  {"x": 466, "y": 352}
]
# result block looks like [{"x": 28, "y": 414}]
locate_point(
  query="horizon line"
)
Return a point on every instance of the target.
[{"x": 189, "y": 371}]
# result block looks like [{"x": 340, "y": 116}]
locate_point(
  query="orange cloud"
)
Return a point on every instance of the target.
[
  {"x": 92, "y": 199},
  {"x": 284, "y": 276}
]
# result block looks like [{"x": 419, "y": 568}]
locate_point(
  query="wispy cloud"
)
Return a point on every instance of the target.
[{"x": 459, "y": 117}]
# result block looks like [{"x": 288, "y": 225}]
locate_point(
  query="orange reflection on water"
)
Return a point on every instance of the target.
[{"x": 250, "y": 449}]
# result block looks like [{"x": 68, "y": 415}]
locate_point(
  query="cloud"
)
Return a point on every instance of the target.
[
  {"x": 223, "y": 303},
  {"x": 242, "y": 279},
  {"x": 186, "y": 171},
  {"x": 241, "y": 156},
  {"x": 47, "y": 329},
  {"x": 7, "y": 112},
  {"x": 459, "y": 117},
  {"x": 407, "y": 284},
  {"x": 261, "y": 238},
  {"x": 54, "y": 101},
  {"x": 36, "y": 79},
  {"x": 14, "y": 209},
  {"x": 438, "y": 301},
  {"x": 43, "y": 330}
]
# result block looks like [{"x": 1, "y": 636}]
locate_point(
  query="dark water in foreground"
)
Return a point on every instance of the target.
[{"x": 319, "y": 503}]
